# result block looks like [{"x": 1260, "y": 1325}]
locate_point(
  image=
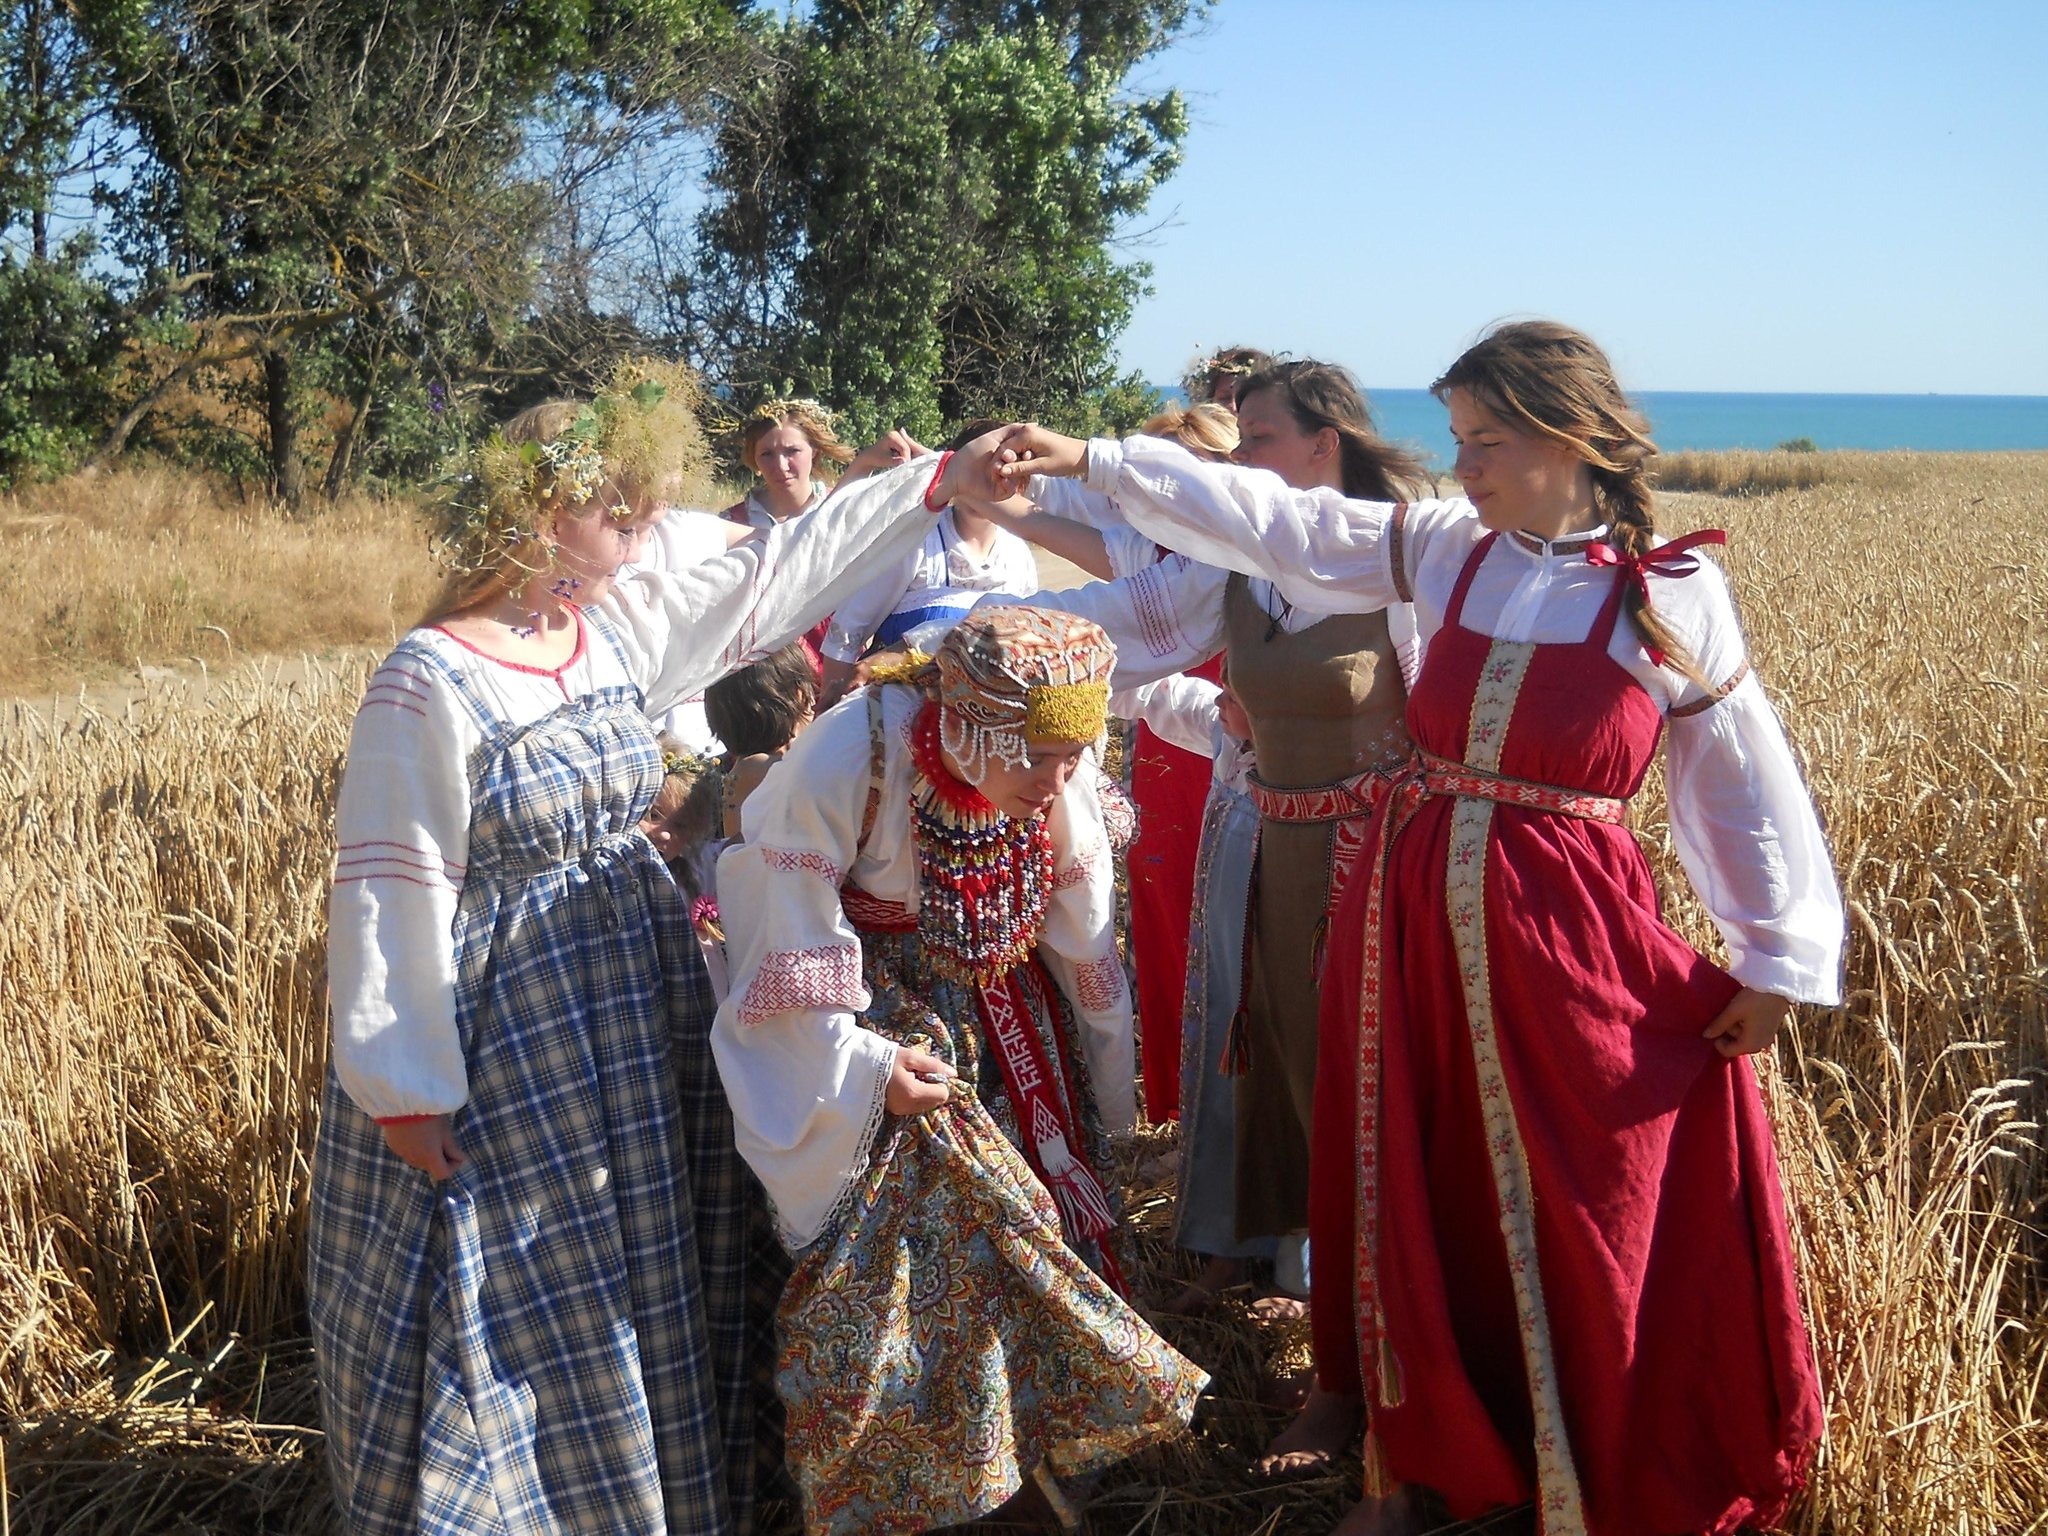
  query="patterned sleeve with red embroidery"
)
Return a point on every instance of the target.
[{"x": 402, "y": 846}]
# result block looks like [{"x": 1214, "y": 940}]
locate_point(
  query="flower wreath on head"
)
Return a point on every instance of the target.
[
  {"x": 805, "y": 409},
  {"x": 640, "y": 427}
]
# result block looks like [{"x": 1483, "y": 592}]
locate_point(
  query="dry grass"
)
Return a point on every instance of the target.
[
  {"x": 148, "y": 566},
  {"x": 161, "y": 882},
  {"x": 1749, "y": 472}
]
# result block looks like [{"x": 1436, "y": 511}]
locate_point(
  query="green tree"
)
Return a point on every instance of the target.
[
  {"x": 334, "y": 193},
  {"x": 58, "y": 315},
  {"x": 915, "y": 202}
]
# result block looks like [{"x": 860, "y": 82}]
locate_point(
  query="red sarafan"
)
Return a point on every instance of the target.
[{"x": 1574, "y": 1280}]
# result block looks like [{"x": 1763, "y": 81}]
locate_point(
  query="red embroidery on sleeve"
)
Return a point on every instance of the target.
[
  {"x": 1085, "y": 864},
  {"x": 1099, "y": 984},
  {"x": 825, "y": 977},
  {"x": 790, "y": 861}
]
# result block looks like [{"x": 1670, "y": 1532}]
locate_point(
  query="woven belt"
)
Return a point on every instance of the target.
[
  {"x": 1341, "y": 801},
  {"x": 1441, "y": 776}
]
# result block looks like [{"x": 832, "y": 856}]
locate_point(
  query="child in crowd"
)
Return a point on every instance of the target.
[
  {"x": 1201, "y": 717},
  {"x": 757, "y": 712},
  {"x": 684, "y": 824}
]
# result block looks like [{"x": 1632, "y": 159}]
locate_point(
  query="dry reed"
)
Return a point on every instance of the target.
[{"x": 161, "y": 882}]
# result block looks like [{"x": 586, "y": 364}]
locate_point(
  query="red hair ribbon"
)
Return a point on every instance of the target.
[{"x": 1667, "y": 559}]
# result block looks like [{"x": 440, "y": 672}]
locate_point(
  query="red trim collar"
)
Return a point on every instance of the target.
[{"x": 554, "y": 674}]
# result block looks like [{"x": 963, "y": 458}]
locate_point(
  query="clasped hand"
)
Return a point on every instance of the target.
[
  {"x": 920, "y": 1082},
  {"x": 996, "y": 464}
]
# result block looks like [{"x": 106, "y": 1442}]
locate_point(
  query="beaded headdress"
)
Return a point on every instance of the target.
[
  {"x": 639, "y": 431},
  {"x": 1005, "y": 674}
]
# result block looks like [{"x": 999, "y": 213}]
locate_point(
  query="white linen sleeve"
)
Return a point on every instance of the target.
[
  {"x": 807, "y": 1082},
  {"x": 1181, "y": 710},
  {"x": 683, "y": 630},
  {"x": 402, "y": 829},
  {"x": 1163, "y": 619},
  {"x": 1320, "y": 549},
  {"x": 1072, "y": 499},
  {"x": 1129, "y": 551},
  {"x": 855, "y": 620},
  {"x": 1078, "y": 947},
  {"x": 1743, "y": 823}
]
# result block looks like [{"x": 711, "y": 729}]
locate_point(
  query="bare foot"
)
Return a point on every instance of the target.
[
  {"x": 1279, "y": 1308},
  {"x": 1399, "y": 1514},
  {"x": 1319, "y": 1433},
  {"x": 1200, "y": 1293}
]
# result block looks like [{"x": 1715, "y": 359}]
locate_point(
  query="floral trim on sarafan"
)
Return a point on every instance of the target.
[
  {"x": 827, "y": 976},
  {"x": 1557, "y": 1481}
]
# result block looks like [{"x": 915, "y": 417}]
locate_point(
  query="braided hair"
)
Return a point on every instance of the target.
[{"x": 1556, "y": 384}]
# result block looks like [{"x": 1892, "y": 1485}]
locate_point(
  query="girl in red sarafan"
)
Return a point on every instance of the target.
[{"x": 1536, "y": 1137}]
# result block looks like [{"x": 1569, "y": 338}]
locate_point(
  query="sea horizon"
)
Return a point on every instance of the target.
[{"x": 1709, "y": 420}]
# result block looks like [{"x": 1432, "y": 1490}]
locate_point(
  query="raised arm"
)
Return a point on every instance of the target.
[
  {"x": 1180, "y": 710},
  {"x": 1163, "y": 619},
  {"x": 1318, "y": 548},
  {"x": 686, "y": 629}
]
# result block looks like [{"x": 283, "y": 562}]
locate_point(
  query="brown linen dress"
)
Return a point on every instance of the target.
[{"x": 1325, "y": 704}]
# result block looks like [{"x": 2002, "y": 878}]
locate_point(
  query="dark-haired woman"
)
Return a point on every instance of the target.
[
  {"x": 1325, "y": 694},
  {"x": 1537, "y": 1141}
]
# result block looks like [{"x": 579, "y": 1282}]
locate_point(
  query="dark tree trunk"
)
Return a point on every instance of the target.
[
  {"x": 287, "y": 474},
  {"x": 341, "y": 463}
]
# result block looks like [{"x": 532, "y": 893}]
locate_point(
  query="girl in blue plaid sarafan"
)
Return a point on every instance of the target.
[{"x": 527, "y": 1259}]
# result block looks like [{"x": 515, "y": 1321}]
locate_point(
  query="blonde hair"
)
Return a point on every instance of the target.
[
  {"x": 1205, "y": 429},
  {"x": 638, "y": 440},
  {"x": 1556, "y": 384},
  {"x": 807, "y": 416}
]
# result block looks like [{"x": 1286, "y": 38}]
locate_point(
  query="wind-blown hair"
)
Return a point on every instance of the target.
[{"x": 1554, "y": 383}]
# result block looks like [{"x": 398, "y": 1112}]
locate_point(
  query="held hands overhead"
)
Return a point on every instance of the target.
[{"x": 996, "y": 464}]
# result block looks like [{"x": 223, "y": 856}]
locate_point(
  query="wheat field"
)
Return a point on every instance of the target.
[{"x": 163, "y": 870}]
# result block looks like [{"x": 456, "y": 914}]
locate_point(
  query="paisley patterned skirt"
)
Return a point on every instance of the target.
[{"x": 940, "y": 1339}]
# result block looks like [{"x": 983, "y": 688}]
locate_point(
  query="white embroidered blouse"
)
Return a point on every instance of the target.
[
  {"x": 1165, "y": 614},
  {"x": 936, "y": 582},
  {"x": 806, "y": 1079},
  {"x": 403, "y": 815},
  {"x": 1741, "y": 818},
  {"x": 1182, "y": 710}
]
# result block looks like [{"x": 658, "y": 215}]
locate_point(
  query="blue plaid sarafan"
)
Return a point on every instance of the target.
[{"x": 554, "y": 1339}]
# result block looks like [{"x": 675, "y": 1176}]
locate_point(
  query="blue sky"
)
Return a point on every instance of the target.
[{"x": 1732, "y": 196}]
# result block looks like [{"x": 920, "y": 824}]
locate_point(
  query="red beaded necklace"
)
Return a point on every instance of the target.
[{"x": 983, "y": 877}]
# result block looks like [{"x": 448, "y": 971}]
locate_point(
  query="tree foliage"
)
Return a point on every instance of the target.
[
  {"x": 309, "y": 240},
  {"x": 915, "y": 207}
]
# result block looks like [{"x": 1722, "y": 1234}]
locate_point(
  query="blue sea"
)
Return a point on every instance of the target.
[{"x": 1682, "y": 420}]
